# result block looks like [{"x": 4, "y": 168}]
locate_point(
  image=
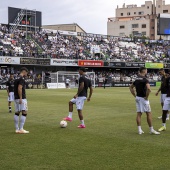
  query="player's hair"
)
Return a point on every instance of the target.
[
  {"x": 141, "y": 69},
  {"x": 161, "y": 69},
  {"x": 82, "y": 69},
  {"x": 24, "y": 69}
]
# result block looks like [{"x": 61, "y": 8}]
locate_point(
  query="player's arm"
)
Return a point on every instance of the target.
[
  {"x": 79, "y": 89},
  {"x": 7, "y": 88},
  {"x": 148, "y": 90},
  {"x": 132, "y": 90},
  {"x": 20, "y": 93},
  {"x": 90, "y": 94},
  {"x": 158, "y": 90}
]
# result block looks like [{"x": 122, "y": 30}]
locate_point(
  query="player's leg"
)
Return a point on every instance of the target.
[
  {"x": 9, "y": 102},
  {"x": 147, "y": 109},
  {"x": 149, "y": 121},
  {"x": 79, "y": 105},
  {"x": 82, "y": 125},
  {"x": 9, "y": 106},
  {"x": 160, "y": 117},
  {"x": 164, "y": 114},
  {"x": 162, "y": 99},
  {"x": 165, "y": 109},
  {"x": 16, "y": 116},
  {"x": 24, "y": 109},
  {"x": 138, "y": 121},
  {"x": 139, "y": 114},
  {"x": 69, "y": 117},
  {"x": 167, "y": 116}
]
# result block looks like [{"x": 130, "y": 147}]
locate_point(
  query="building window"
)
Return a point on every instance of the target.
[
  {"x": 141, "y": 13},
  {"x": 152, "y": 20},
  {"x": 128, "y": 13},
  {"x": 121, "y": 14},
  {"x": 147, "y": 7},
  {"x": 143, "y": 25},
  {"x": 134, "y": 12},
  {"x": 135, "y": 25},
  {"x": 159, "y": 6},
  {"x": 122, "y": 34},
  {"x": 165, "y": 11},
  {"x": 152, "y": 35},
  {"x": 153, "y": 28},
  {"x": 144, "y": 33},
  {"x": 122, "y": 26},
  {"x": 135, "y": 33}
]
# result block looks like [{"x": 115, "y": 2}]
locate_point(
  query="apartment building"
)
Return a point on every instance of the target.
[{"x": 131, "y": 20}]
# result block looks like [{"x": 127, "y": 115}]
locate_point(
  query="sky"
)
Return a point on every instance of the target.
[{"x": 91, "y": 15}]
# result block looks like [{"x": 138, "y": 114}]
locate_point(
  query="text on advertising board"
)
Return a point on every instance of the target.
[
  {"x": 9, "y": 60},
  {"x": 35, "y": 61},
  {"x": 93, "y": 63}
]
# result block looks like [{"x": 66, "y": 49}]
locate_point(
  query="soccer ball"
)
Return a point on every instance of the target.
[{"x": 63, "y": 124}]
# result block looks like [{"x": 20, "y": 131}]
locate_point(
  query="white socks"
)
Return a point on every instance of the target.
[
  {"x": 16, "y": 121},
  {"x": 70, "y": 114},
  {"x": 164, "y": 124},
  {"x": 151, "y": 128},
  {"x": 139, "y": 129},
  {"x": 22, "y": 121},
  {"x": 82, "y": 122}
]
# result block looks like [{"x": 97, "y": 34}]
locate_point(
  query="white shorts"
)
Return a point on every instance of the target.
[
  {"x": 166, "y": 104},
  {"x": 22, "y": 106},
  {"x": 79, "y": 101},
  {"x": 142, "y": 105},
  {"x": 11, "y": 97},
  {"x": 162, "y": 98}
]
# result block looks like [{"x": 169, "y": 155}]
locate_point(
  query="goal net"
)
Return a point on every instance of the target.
[{"x": 61, "y": 78}]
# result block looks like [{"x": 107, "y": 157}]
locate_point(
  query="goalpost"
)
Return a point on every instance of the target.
[{"x": 58, "y": 79}]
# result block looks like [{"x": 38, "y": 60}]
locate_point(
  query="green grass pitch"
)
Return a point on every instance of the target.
[{"x": 109, "y": 141}]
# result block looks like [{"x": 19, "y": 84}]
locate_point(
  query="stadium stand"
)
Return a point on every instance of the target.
[{"x": 54, "y": 45}]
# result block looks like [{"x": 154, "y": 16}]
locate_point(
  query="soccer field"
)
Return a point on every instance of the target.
[{"x": 109, "y": 142}]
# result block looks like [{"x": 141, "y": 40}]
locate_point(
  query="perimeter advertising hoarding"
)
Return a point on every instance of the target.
[
  {"x": 154, "y": 65},
  {"x": 90, "y": 63},
  {"x": 116, "y": 64},
  {"x": 34, "y": 61},
  {"x": 9, "y": 60},
  {"x": 135, "y": 65},
  {"x": 63, "y": 62}
]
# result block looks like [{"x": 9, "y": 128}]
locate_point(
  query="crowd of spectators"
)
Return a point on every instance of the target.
[
  {"x": 6, "y": 71},
  {"x": 124, "y": 76},
  {"x": 54, "y": 45},
  {"x": 16, "y": 44}
]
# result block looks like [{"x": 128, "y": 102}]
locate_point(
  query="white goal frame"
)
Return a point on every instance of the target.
[{"x": 56, "y": 75}]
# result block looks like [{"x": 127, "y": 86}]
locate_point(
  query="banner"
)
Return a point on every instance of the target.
[
  {"x": 93, "y": 63},
  {"x": 35, "y": 61},
  {"x": 137, "y": 65},
  {"x": 154, "y": 65},
  {"x": 116, "y": 64},
  {"x": 60, "y": 32},
  {"x": 56, "y": 85},
  {"x": 95, "y": 49},
  {"x": 127, "y": 84},
  {"x": 121, "y": 84},
  {"x": 67, "y": 32},
  {"x": 63, "y": 62},
  {"x": 9, "y": 60},
  {"x": 158, "y": 84}
]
